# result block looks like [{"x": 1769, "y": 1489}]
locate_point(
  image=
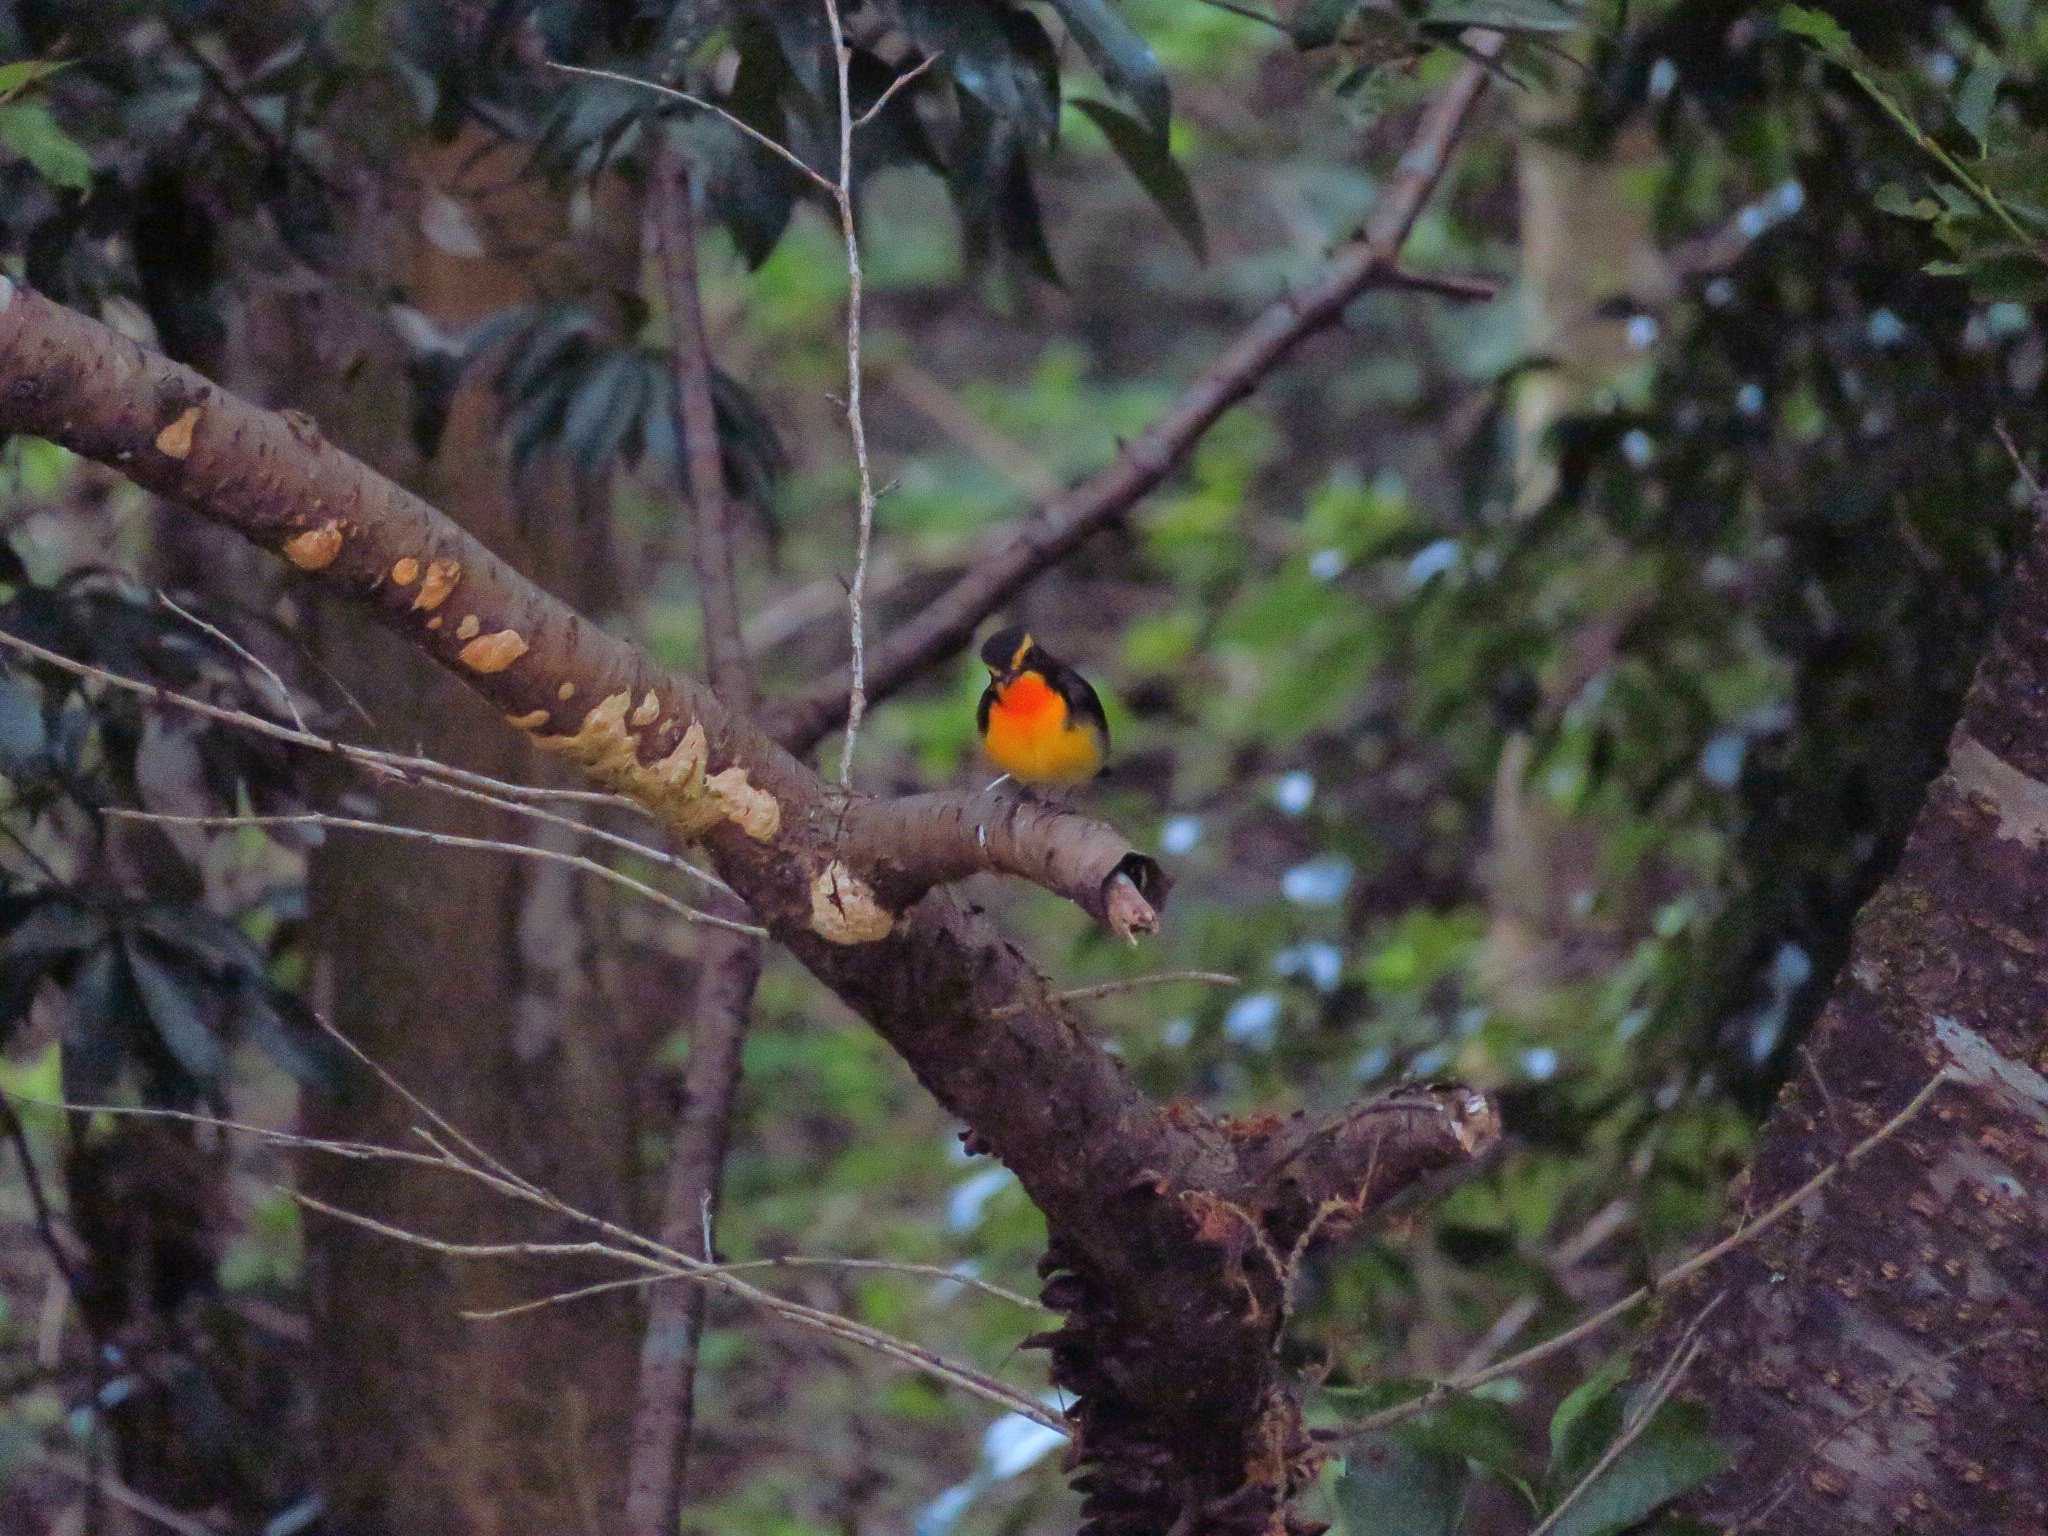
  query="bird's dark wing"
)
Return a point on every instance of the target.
[
  {"x": 1084, "y": 704},
  {"x": 988, "y": 702}
]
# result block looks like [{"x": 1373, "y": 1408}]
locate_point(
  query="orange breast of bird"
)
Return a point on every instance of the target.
[{"x": 1033, "y": 737}]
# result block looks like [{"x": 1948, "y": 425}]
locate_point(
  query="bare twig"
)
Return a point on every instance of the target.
[
  {"x": 792, "y": 1261},
  {"x": 417, "y": 772},
  {"x": 128, "y": 1498},
  {"x": 943, "y": 408},
  {"x": 781, "y": 151},
  {"x": 2019, "y": 463},
  {"x": 394, "y": 765},
  {"x": 1251, "y": 15},
  {"x": 895, "y": 85},
  {"x": 625, "y": 1246},
  {"x": 1064, "y": 523},
  {"x": 39, "y": 1201},
  {"x": 1639, "y": 1418},
  {"x": 242, "y": 651},
  {"x": 1788, "y": 1481},
  {"x": 856, "y": 590},
  {"x": 576, "y": 861},
  {"x": 1129, "y": 984},
  {"x": 1748, "y": 1232}
]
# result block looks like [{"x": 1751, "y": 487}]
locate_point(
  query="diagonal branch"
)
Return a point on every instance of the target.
[
  {"x": 1169, "y": 1340},
  {"x": 1063, "y": 524}
]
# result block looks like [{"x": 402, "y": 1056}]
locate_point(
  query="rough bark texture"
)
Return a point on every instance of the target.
[
  {"x": 1879, "y": 1361},
  {"x": 473, "y": 977}
]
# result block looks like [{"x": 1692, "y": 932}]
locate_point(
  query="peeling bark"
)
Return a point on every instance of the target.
[{"x": 1879, "y": 1361}]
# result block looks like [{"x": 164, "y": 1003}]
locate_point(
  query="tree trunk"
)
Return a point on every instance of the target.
[
  {"x": 1879, "y": 1360},
  {"x": 473, "y": 977}
]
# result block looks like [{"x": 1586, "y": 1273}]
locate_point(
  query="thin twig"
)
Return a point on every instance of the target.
[
  {"x": 1639, "y": 1418},
  {"x": 1749, "y": 1231},
  {"x": 416, "y": 772},
  {"x": 895, "y": 85},
  {"x": 2019, "y": 463},
  {"x": 1788, "y": 1482},
  {"x": 782, "y": 151},
  {"x": 792, "y": 1261},
  {"x": 670, "y": 1264},
  {"x": 856, "y": 590},
  {"x": 39, "y": 1201},
  {"x": 627, "y": 1247},
  {"x": 588, "y": 866},
  {"x": 1062, "y": 524},
  {"x": 1251, "y": 15},
  {"x": 137, "y": 1503},
  {"x": 396, "y": 765},
  {"x": 1129, "y": 984},
  {"x": 242, "y": 651}
]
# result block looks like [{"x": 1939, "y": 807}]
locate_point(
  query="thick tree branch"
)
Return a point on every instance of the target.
[
  {"x": 661, "y": 738},
  {"x": 1061, "y": 525},
  {"x": 1162, "y": 1220}
]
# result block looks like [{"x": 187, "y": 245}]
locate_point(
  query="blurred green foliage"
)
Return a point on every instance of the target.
[{"x": 1724, "y": 639}]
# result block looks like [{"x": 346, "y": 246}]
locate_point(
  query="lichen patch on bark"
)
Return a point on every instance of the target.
[
  {"x": 675, "y": 787},
  {"x": 316, "y": 548},
  {"x": 752, "y": 809},
  {"x": 2018, "y": 801},
  {"x": 441, "y": 578},
  {"x": 844, "y": 909},
  {"x": 175, "y": 441},
  {"x": 494, "y": 652}
]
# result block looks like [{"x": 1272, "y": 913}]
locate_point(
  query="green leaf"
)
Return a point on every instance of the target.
[
  {"x": 52, "y": 932},
  {"x": 167, "y": 999},
  {"x": 1146, "y": 156},
  {"x": 27, "y": 128},
  {"x": 1125, "y": 60},
  {"x": 285, "y": 1030},
  {"x": 1585, "y": 1421},
  {"x": 1389, "y": 1488},
  {"x": 1479, "y": 1429},
  {"x": 1823, "y": 31},
  {"x": 1674, "y": 1455},
  {"x": 1503, "y": 15},
  {"x": 1317, "y": 24},
  {"x": 96, "y": 1026},
  {"x": 1893, "y": 198},
  {"x": 1979, "y": 94},
  {"x": 2009, "y": 274},
  {"x": 23, "y": 73}
]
